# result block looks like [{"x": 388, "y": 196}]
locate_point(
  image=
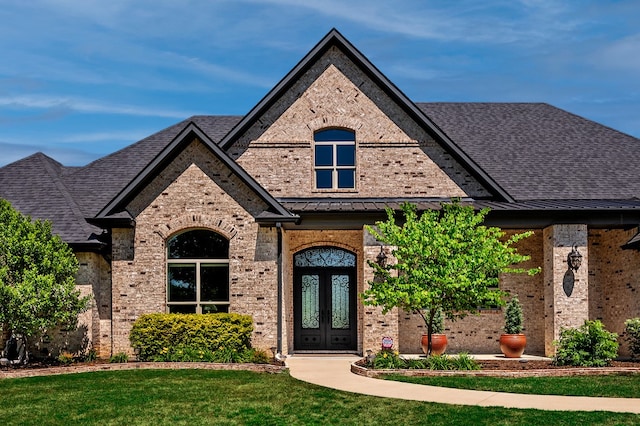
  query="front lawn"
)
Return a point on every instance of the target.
[
  {"x": 607, "y": 386},
  {"x": 193, "y": 397}
]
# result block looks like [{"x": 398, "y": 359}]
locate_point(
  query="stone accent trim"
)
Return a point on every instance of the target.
[{"x": 554, "y": 372}]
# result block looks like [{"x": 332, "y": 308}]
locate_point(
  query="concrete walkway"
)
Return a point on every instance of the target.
[{"x": 335, "y": 372}]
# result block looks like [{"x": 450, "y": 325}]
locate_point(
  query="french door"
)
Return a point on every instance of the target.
[{"x": 325, "y": 308}]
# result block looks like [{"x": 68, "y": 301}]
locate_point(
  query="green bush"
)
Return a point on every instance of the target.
[
  {"x": 387, "y": 359},
  {"x": 632, "y": 335},
  {"x": 119, "y": 358},
  {"x": 590, "y": 345},
  {"x": 218, "y": 337}
]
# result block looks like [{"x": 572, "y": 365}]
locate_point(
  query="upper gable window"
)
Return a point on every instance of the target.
[{"x": 335, "y": 159}]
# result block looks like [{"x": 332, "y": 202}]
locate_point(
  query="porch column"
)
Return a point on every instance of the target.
[
  {"x": 566, "y": 291},
  {"x": 375, "y": 324}
]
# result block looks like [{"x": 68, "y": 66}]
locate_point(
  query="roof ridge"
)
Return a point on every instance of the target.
[{"x": 56, "y": 179}]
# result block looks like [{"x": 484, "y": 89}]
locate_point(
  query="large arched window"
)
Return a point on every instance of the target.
[
  {"x": 197, "y": 272},
  {"x": 335, "y": 159}
]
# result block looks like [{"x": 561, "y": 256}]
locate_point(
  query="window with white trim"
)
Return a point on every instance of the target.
[
  {"x": 335, "y": 159},
  {"x": 197, "y": 272}
]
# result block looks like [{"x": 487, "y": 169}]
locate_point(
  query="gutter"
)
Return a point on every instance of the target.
[{"x": 280, "y": 292}]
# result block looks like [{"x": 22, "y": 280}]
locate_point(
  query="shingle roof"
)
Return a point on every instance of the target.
[
  {"x": 544, "y": 157},
  {"x": 35, "y": 187},
  {"x": 537, "y": 151}
]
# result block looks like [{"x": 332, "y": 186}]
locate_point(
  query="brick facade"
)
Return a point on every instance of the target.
[{"x": 396, "y": 157}]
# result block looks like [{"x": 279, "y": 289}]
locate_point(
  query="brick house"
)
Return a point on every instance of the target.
[{"x": 264, "y": 214}]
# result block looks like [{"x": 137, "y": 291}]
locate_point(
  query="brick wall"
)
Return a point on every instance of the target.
[
  {"x": 614, "y": 280},
  {"x": 394, "y": 155},
  {"x": 481, "y": 333},
  {"x": 195, "y": 191}
]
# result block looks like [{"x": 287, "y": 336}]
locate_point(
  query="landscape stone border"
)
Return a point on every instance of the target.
[
  {"x": 551, "y": 372},
  {"x": 14, "y": 373}
]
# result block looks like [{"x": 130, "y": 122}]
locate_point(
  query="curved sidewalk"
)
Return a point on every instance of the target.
[{"x": 335, "y": 372}]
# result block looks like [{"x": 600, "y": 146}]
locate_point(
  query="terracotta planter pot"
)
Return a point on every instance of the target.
[
  {"x": 438, "y": 344},
  {"x": 512, "y": 345}
]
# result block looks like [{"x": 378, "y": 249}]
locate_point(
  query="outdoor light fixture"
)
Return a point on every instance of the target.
[
  {"x": 574, "y": 259},
  {"x": 381, "y": 259}
]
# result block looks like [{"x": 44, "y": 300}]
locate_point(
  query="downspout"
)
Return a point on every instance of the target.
[{"x": 280, "y": 292}]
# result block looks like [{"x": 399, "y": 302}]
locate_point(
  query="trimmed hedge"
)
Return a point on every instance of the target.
[{"x": 158, "y": 337}]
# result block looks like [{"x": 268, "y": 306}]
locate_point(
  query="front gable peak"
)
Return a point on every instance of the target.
[{"x": 335, "y": 56}]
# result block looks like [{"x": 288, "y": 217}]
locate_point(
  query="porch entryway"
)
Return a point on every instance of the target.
[{"x": 324, "y": 300}]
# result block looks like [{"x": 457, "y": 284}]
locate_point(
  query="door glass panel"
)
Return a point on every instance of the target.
[
  {"x": 325, "y": 257},
  {"x": 182, "y": 283},
  {"x": 213, "y": 283},
  {"x": 340, "y": 301},
  {"x": 310, "y": 301}
]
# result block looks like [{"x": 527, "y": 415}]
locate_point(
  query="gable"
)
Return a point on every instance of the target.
[
  {"x": 395, "y": 153},
  {"x": 192, "y": 146}
]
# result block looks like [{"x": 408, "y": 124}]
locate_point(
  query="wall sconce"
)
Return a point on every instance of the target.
[
  {"x": 381, "y": 259},
  {"x": 574, "y": 259}
]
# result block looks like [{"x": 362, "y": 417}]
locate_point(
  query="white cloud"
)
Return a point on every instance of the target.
[{"x": 86, "y": 106}]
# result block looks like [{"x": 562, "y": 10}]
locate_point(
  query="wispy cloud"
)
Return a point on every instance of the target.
[{"x": 86, "y": 106}]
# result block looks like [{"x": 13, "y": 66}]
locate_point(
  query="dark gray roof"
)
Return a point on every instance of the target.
[
  {"x": 35, "y": 186},
  {"x": 100, "y": 181},
  {"x": 546, "y": 158},
  {"x": 537, "y": 151}
]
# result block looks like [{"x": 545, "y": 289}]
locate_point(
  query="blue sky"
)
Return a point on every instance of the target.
[{"x": 81, "y": 79}]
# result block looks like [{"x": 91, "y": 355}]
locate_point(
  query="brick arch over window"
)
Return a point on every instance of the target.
[
  {"x": 192, "y": 221},
  {"x": 334, "y": 122}
]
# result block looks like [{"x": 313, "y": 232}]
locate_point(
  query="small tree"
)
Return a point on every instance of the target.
[
  {"x": 513, "y": 317},
  {"x": 445, "y": 260},
  {"x": 37, "y": 276}
]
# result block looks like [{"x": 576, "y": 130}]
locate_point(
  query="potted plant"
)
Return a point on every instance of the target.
[
  {"x": 438, "y": 339},
  {"x": 512, "y": 342}
]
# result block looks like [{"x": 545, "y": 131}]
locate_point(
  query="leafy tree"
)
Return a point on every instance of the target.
[
  {"x": 445, "y": 259},
  {"x": 37, "y": 276}
]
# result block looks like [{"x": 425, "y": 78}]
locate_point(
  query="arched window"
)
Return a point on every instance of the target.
[
  {"x": 335, "y": 159},
  {"x": 197, "y": 272}
]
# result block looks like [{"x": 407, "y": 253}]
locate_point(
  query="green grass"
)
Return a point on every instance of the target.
[
  {"x": 194, "y": 397},
  {"x": 607, "y": 386}
]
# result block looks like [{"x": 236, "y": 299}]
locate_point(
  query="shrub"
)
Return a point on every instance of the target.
[
  {"x": 91, "y": 355},
  {"x": 65, "y": 358},
  {"x": 119, "y": 358},
  {"x": 464, "y": 362},
  {"x": 387, "y": 359},
  {"x": 590, "y": 345},
  {"x": 218, "y": 337},
  {"x": 513, "y": 317},
  {"x": 632, "y": 335}
]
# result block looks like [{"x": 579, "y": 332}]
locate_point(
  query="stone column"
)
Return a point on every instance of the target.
[
  {"x": 566, "y": 291},
  {"x": 375, "y": 324}
]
